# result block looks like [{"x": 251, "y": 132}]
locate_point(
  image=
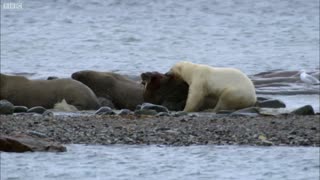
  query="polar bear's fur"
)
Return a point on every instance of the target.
[{"x": 232, "y": 88}]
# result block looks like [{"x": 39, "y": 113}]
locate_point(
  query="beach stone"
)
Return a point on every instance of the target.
[
  {"x": 180, "y": 113},
  {"x": 250, "y": 111},
  {"x": 145, "y": 112},
  {"x": 105, "y": 110},
  {"x": 52, "y": 77},
  {"x": 6, "y": 107},
  {"x": 304, "y": 110},
  {"x": 161, "y": 114},
  {"x": 155, "y": 107},
  {"x": 105, "y": 102},
  {"x": 262, "y": 98},
  {"x": 37, "y": 134},
  {"x": 26, "y": 143},
  {"x": 20, "y": 109},
  {"x": 224, "y": 112},
  {"x": 37, "y": 109},
  {"x": 194, "y": 115},
  {"x": 124, "y": 112},
  {"x": 48, "y": 113},
  {"x": 271, "y": 103},
  {"x": 266, "y": 143},
  {"x": 138, "y": 107},
  {"x": 273, "y": 111}
]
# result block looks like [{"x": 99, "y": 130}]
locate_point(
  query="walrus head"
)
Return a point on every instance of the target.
[{"x": 164, "y": 90}]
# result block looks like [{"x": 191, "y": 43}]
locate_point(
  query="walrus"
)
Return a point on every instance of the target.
[
  {"x": 168, "y": 91},
  {"x": 164, "y": 90},
  {"x": 123, "y": 92},
  {"x": 24, "y": 92}
]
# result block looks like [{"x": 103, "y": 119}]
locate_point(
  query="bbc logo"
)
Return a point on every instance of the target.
[{"x": 10, "y": 5}]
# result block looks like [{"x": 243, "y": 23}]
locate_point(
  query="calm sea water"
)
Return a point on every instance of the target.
[
  {"x": 59, "y": 37},
  {"x": 161, "y": 162}
]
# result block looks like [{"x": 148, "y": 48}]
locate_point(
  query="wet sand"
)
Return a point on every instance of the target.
[{"x": 288, "y": 130}]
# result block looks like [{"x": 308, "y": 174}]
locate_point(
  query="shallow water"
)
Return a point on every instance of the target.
[{"x": 162, "y": 162}]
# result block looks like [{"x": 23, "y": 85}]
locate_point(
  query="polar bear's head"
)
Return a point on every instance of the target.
[{"x": 178, "y": 69}]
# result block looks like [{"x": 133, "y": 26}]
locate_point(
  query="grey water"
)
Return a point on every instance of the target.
[
  {"x": 59, "y": 37},
  {"x": 162, "y": 162}
]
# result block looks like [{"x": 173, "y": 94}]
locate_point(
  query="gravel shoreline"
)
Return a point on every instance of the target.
[{"x": 288, "y": 130}]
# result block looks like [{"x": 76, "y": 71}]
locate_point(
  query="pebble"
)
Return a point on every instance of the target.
[
  {"x": 262, "y": 99},
  {"x": 6, "y": 107},
  {"x": 273, "y": 111},
  {"x": 20, "y": 109},
  {"x": 271, "y": 103},
  {"x": 180, "y": 113},
  {"x": 250, "y": 111},
  {"x": 48, "y": 113},
  {"x": 105, "y": 102},
  {"x": 155, "y": 107},
  {"x": 37, "y": 134},
  {"x": 304, "y": 110},
  {"x": 145, "y": 112},
  {"x": 37, "y": 109},
  {"x": 105, "y": 110},
  {"x": 162, "y": 114},
  {"x": 52, "y": 77},
  {"x": 266, "y": 143},
  {"x": 124, "y": 112}
]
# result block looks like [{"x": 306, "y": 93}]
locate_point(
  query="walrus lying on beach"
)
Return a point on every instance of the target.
[
  {"x": 169, "y": 92},
  {"x": 163, "y": 90},
  {"x": 24, "y": 92},
  {"x": 123, "y": 92}
]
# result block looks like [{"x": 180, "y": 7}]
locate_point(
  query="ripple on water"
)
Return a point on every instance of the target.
[
  {"x": 153, "y": 35},
  {"x": 164, "y": 162}
]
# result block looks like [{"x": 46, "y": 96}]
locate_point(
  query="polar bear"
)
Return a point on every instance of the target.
[{"x": 231, "y": 88}]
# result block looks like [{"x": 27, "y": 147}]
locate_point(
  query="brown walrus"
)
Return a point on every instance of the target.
[
  {"x": 123, "y": 92},
  {"x": 21, "y": 91},
  {"x": 164, "y": 90},
  {"x": 168, "y": 91}
]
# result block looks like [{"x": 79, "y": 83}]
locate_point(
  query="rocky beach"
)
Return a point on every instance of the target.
[{"x": 194, "y": 129}]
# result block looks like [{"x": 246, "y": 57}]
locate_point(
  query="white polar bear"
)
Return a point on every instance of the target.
[{"x": 232, "y": 88}]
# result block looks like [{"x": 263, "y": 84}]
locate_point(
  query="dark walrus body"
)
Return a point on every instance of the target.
[
  {"x": 24, "y": 92},
  {"x": 123, "y": 92}
]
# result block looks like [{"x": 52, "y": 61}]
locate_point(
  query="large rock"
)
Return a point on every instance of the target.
[
  {"x": 271, "y": 103},
  {"x": 6, "y": 107},
  {"x": 37, "y": 109},
  {"x": 25, "y": 143},
  {"x": 20, "y": 109},
  {"x": 304, "y": 110}
]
